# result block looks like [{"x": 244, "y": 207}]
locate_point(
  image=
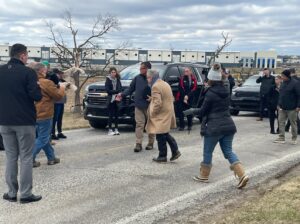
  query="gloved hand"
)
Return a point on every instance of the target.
[{"x": 190, "y": 111}]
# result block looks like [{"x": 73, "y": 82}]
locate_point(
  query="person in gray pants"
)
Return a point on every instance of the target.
[{"x": 19, "y": 90}]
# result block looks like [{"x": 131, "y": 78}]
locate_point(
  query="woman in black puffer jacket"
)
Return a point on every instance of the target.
[{"x": 217, "y": 127}]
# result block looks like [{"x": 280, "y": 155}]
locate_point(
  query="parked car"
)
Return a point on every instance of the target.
[
  {"x": 246, "y": 97},
  {"x": 94, "y": 102}
]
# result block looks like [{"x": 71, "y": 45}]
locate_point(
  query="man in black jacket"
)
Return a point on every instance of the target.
[
  {"x": 267, "y": 84},
  {"x": 18, "y": 90},
  {"x": 288, "y": 124},
  {"x": 289, "y": 106},
  {"x": 139, "y": 85},
  {"x": 1, "y": 143}
]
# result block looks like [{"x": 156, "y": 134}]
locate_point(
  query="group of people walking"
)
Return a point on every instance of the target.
[{"x": 280, "y": 96}]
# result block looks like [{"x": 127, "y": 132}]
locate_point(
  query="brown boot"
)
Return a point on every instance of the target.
[
  {"x": 238, "y": 170},
  {"x": 204, "y": 173},
  {"x": 149, "y": 146}
]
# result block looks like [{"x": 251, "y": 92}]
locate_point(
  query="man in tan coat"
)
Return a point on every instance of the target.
[
  {"x": 45, "y": 112},
  {"x": 161, "y": 116}
]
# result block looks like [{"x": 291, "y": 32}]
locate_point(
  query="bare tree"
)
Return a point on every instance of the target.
[
  {"x": 226, "y": 42},
  {"x": 77, "y": 53}
]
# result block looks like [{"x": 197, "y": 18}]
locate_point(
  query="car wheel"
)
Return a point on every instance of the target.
[
  {"x": 98, "y": 124},
  {"x": 234, "y": 112}
]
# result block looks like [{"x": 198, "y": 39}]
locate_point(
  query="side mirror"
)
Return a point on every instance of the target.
[{"x": 172, "y": 79}]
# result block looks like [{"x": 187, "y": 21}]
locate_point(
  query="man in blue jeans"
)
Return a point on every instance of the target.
[{"x": 45, "y": 111}]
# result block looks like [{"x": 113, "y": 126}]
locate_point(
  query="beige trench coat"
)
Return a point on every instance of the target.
[{"x": 161, "y": 115}]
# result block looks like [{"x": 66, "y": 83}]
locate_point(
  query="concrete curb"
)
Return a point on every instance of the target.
[{"x": 257, "y": 175}]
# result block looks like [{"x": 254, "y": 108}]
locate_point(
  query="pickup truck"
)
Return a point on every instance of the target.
[{"x": 94, "y": 102}]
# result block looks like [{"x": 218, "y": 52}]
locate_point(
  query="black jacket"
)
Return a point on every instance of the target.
[
  {"x": 289, "y": 95},
  {"x": 273, "y": 98},
  {"x": 18, "y": 90},
  {"x": 267, "y": 83},
  {"x": 110, "y": 90},
  {"x": 215, "y": 112},
  {"x": 138, "y": 85}
]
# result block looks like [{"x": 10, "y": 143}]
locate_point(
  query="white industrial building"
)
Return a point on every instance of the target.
[{"x": 258, "y": 59}]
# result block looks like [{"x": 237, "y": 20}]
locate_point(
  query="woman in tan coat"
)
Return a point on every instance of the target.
[{"x": 161, "y": 116}]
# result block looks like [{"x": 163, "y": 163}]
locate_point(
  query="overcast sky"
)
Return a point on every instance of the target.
[{"x": 178, "y": 24}]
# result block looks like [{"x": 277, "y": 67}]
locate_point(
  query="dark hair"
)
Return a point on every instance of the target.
[
  {"x": 286, "y": 73},
  {"x": 53, "y": 77},
  {"x": 114, "y": 69},
  {"x": 17, "y": 49},
  {"x": 147, "y": 64},
  {"x": 214, "y": 83}
]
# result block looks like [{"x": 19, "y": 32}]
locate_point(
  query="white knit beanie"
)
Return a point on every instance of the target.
[{"x": 214, "y": 73}]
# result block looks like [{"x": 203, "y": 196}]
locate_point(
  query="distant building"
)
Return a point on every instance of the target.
[{"x": 259, "y": 59}]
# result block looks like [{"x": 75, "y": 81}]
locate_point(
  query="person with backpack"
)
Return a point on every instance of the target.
[
  {"x": 113, "y": 87},
  {"x": 217, "y": 127}
]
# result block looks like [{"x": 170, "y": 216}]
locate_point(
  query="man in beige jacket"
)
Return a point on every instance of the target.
[{"x": 161, "y": 116}]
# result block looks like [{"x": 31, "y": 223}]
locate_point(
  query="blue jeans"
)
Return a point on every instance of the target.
[
  {"x": 42, "y": 141},
  {"x": 58, "y": 117},
  {"x": 225, "y": 141}
]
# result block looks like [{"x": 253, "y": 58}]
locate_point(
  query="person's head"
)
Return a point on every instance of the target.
[
  {"x": 19, "y": 51},
  {"x": 286, "y": 75},
  {"x": 58, "y": 72},
  {"x": 266, "y": 72},
  {"x": 224, "y": 72},
  {"x": 214, "y": 73},
  {"x": 278, "y": 80},
  {"x": 293, "y": 71},
  {"x": 152, "y": 76},
  {"x": 113, "y": 72},
  {"x": 39, "y": 68},
  {"x": 144, "y": 67},
  {"x": 188, "y": 71}
]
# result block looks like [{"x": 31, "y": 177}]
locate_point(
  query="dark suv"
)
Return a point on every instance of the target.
[
  {"x": 94, "y": 102},
  {"x": 246, "y": 97}
]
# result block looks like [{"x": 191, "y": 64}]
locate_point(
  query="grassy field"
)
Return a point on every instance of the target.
[{"x": 280, "y": 205}]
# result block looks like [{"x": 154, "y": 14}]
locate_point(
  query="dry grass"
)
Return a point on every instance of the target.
[
  {"x": 281, "y": 205},
  {"x": 74, "y": 121}
]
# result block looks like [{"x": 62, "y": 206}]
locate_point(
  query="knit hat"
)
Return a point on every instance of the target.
[
  {"x": 46, "y": 63},
  {"x": 287, "y": 73},
  {"x": 214, "y": 73}
]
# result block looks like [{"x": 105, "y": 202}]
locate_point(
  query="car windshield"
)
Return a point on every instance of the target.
[
  {"x": 251, "y": 81},
  {"x": 130, "y": 72}
]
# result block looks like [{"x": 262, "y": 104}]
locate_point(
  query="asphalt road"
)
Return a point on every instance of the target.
[{"x": 101, "y": 180}]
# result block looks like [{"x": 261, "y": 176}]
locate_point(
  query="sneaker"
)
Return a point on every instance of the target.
[
  {"x": 117, "y": 131},
  {"x": 111, "y": 132},
  {"x": 61, "y": 135},
  {"x": 53, "y": 162},
  {"x": 294, "y": 142},
  {"x": 280, "y": 141},
  {"x": 54, "y": 137},
  {"x": 160, "y": 159},
  {"x": 149, "y": 146},
  {"x": 36, "y": 164},
  {"x": 138, "y": 148}
]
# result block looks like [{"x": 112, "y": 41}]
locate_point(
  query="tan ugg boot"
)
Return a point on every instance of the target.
[
  {"x": 204, "y": 173},
  {"x": 240, "y": 173}
]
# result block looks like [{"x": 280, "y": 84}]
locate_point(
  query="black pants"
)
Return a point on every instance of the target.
[
  {"x": 273, "y": 115},
  {"x": 162, "y": 140},
  {"x": 59, "y": 109},
  {"x": 181, "y": 106},
  {"x": 1, "y": 143},
  {"x": 263, "y": 105},
  {"x": 113, "y": 115}
]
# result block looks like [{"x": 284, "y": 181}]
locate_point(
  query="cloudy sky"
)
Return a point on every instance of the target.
[{"x": 177, "y": 24}]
